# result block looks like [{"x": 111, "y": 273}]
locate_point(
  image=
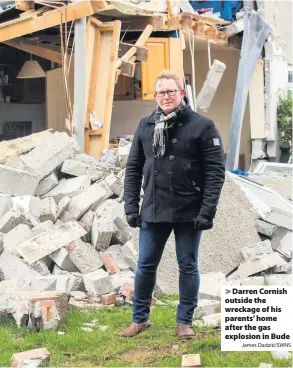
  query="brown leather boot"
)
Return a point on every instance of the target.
[
  {"x": 185, "y": 331},
  {"x": 134, "y": 329}
]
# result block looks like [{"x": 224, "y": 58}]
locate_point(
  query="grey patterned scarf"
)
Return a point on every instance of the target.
[{"x": 161, "y": 128}]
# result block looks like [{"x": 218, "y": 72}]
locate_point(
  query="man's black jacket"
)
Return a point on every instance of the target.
[{"x": 184, "y": 182}]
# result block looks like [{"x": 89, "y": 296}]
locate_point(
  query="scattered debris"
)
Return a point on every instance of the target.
[
  {"x": 31, "y": 358},
  {"x": 190, "y": 360},
  {"x": 64, "y": 235}
]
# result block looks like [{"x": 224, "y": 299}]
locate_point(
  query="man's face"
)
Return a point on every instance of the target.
[{"x": 168, "y": 103}]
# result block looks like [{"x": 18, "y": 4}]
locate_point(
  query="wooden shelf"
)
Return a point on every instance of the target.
[
  {"x": 7, "y": 85},
  {"x": 6, "y": 64}
]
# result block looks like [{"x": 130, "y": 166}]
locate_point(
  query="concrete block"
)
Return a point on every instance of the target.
[
  {"x": 68, "y": 281},
  {"x": 17, "y": 182},
  {"x": 285, "y": 268},
  {"x": 31, "y": 358},
  {"x": 78, "y": 295},
  {"x": 206, "y": 307},
  {"x": 102, "y": 231},
  {"x": 209, "y": 88},
  {"x": 122, "y": 235},
  {"x": 41, "y": 266},
  {"x": 257, "y": 250},
  {"x": 278, "y": 280},
  {"x": 15, "y": 147},
  {"x": 108, "y": 299},
  {"x": 265, "y": 228},
  {"x": 90, "y": 198},
  {"x": 98, "y": 282},
  {"x": 87, "y": 219},
  {"x": 257, "y": 265},
  {"x": 119, "y": 279},
  {"x": 124, "y": 263},
  {"x": 109, "y": 156},
  {"x": 22, "y": 305},
  {"x": 45, "y": 158},
  {"x": 190, "y": 360},
  {"x": 48, "y": 242},
  {"x": 127, "y": 290},
  {"x": 84, "y": 256},
  {"x": 284, "y": 246},
  {"x": 130, "y": 254},
  {"x": 62, "y": 206},
  {"x": 114, "y": 184},
  {"x": 69, "y": 188},
  {"x": 11, "y": 219},
  {"x": 61, "y": 258},
  {"x": 210, "y": 320},
  {"x": 42, "y": 227},
  {"x": 77, "y": 168},
  {"x": 47, "y": 183},
  {"x": 13, "y": 267},
  {"x": 109, "y": 262},
  {"x": 123, "y": 153},
  {"x": 210, "y": 285},
  {"x": 44, "y": 210},
  {"x": 65, "y": 217},
  {"x": 5, "y": 204},
  {"x": 115, "y": 249},
  {"x": 15, "y": 237}
]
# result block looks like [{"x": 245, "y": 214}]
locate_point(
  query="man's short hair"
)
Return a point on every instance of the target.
[{"x": 167, "y": 74}]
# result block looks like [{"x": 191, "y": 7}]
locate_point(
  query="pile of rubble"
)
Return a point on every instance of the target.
[
  {"x": 62, "y": 229},
  {"x": 64, "y": 237}
]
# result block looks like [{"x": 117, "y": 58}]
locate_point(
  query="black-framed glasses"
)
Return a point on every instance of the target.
[{"x": 171, "y": 92}]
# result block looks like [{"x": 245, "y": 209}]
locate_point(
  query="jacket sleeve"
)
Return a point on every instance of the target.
[
  {"x": 212, "y": 155},
  {"x": 133, "y": 174}
]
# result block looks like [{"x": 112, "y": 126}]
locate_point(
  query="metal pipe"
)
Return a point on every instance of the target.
[{"x": 79, "y": 106}]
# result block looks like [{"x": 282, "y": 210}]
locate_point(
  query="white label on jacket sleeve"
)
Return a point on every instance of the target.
[{"x": 216, "y": 141}]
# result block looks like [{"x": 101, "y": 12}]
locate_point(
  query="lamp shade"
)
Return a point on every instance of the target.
[{"x": 31, "y": 69}]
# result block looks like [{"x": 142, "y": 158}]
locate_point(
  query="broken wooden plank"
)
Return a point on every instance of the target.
[
  {"x": 96, "y": 22},
  {"x": 141, "y": 52},
  {"x": 93, "y": 44},
  {"x": 33, "y": 49},
  {"x": 23, "y": 26},
  {"x": 101, "y": 5},
  {"x": 127, "y": 67},
  {"x": 138, "y": 23},
  {"x": 24, "y": 5},
  {"x": 111, "y": 85},
  {"x": 26, "y": 13}
]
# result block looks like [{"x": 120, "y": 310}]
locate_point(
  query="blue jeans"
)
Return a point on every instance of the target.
[{"x": 152, "y": 240}]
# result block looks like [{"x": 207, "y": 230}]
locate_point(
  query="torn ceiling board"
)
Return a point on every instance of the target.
[
  {"x": 274, "y": 168},
  {"x": 270, "y": 206}
]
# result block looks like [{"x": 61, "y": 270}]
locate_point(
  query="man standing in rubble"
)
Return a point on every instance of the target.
[{"x": 179, "y": 153}]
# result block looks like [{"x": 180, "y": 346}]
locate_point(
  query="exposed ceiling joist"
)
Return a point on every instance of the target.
[
  {"x": 23, "y": 26},
  {"x": 35, "y": 49}
]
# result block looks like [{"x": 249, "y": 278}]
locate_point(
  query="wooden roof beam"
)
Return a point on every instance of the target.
[
  {"x": 141, "y": 52},
  {"x": 23, "y": 26},
  {"x": 34, "y": 49}
]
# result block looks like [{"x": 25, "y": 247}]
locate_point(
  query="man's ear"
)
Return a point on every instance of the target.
[{"x": 182, "y": 92}]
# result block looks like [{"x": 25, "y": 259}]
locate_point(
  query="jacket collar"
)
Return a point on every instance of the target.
[{"x": 151, "y": 118}]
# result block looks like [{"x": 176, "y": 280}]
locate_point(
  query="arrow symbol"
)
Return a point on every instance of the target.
[{"x": 228, "y": 291}]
